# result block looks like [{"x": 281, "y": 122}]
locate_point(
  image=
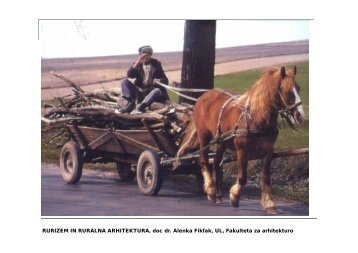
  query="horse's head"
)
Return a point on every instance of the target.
[{"x": 289, "y": 99}]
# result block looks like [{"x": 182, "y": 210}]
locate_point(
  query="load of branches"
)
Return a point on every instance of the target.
[{"x": 99, "y": 109}]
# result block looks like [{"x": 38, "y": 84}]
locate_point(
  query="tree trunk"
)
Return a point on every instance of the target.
[{"x": 198, "y": 56}]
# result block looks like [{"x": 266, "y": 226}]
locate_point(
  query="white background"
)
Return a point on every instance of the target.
[
  {"x": 80, "y": 38},
  {"x": 333, "y": 138}
]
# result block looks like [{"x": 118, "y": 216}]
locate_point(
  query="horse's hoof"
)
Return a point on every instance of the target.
[
  {"x": 271, "y": 210},
  {"x": 211, "y": 198},
  {"x": 234, "y": 199},
  {"x": 234, "y": 203},
  {"x": 219, "y": 200},
  {"x": 211, "y": 191},
  {"x": 269, "y": 206}
]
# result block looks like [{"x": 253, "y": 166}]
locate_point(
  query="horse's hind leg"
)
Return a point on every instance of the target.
[
  {"x": 235, "y": 191},
  {"x": 217, "y": 173},
  {"x": 266, "y": 196},
  {"x": 209, "y": 187}
]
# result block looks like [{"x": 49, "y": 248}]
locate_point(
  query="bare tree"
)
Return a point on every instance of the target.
[{"x": 198, "y": 56}]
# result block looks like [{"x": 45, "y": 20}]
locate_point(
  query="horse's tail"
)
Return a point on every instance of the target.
[{"x": 190, "y": 140}]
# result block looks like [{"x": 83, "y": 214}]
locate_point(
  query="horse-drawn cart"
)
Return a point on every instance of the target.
[
  {"x": 144, "y": 152},
  {"x": 143, "y": 144}
]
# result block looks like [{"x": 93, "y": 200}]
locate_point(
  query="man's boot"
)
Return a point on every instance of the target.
[
  {"x": 128, "y": 107},
  {"x": 142, "y": 107}
]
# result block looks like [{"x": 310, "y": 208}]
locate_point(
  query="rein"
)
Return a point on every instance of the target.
[{"x": 177, "y": 90}]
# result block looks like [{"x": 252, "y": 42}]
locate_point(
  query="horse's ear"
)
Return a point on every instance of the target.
[
  {"x": 294, "y": 70},
  {"x": 283, "y": 72}
]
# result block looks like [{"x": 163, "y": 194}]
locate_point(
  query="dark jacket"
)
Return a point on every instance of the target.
[{"x": 158, "y": 73}]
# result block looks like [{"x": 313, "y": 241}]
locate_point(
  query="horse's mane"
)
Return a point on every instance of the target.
[{"x": 261, "y": 97}]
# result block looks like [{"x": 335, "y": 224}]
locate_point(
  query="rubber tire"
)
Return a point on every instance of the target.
[
  {"x": 73, "y": 175},
  {"x": 125, "y": 173},
  {"x": 149, "y": 159}
]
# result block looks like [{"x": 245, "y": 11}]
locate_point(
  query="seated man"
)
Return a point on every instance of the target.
[{"x": 144, "y": 70}]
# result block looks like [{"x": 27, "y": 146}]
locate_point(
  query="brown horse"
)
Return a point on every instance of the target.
[{"x": 247, "y": 124}]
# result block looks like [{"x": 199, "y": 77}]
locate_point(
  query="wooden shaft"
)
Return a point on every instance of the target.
[{"x": 301, "y": 151}]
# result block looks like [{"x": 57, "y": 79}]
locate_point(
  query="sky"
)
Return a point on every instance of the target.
[{"x": 83, "y": 38}]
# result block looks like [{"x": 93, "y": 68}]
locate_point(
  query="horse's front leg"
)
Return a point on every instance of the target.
[
  {"x": 217, "y": 173},
  {"x": 235, "y": 191},
  {"x": 266, "y": 196},
  {"x": 209, "y": 186}
]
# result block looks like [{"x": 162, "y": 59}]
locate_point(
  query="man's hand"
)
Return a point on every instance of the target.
[{"x": 142, "y": 58}]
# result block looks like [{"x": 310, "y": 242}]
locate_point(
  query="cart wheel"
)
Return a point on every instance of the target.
[
  {"x": 149, "y": 173},
  {"x": 125, "y": 173},
  {"x": 71, "y": 163}
]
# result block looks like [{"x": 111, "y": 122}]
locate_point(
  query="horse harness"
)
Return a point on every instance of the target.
[{"x": 236, "y": 132}]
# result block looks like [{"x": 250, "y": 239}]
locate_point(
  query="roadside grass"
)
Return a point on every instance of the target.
[
  {"x": 53, "y": 102},
  {"x": 49, "y": 153},
  {"x": 290, "y": 176}
]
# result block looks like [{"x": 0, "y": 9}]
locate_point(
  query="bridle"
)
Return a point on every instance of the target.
[{"x": 287, "y": 111}]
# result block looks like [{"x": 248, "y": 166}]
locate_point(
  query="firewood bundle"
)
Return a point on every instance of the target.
[{"x": 98, "y": 109}]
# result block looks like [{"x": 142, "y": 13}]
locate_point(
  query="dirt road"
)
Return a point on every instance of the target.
[{"x": 101, "y": 194}]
